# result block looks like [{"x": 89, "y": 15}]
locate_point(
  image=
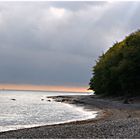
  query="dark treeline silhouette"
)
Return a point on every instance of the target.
[{"x": 117, "y": 72}]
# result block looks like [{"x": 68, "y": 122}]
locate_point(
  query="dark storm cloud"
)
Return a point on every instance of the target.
[{"x": 57, "y": 43}]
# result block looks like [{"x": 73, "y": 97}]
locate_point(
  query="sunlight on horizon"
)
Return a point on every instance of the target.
[{"x": 44, "y": 88}]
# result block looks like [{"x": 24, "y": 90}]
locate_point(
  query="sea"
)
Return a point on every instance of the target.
[{"x": 25, "y": 109}]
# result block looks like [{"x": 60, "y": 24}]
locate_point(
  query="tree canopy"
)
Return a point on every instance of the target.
[{"x": 117, "y": 72}]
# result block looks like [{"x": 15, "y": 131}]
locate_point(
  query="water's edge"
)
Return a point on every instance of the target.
[{"x": 92, "y": 115}]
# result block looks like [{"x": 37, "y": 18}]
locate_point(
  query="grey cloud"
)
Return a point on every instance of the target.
[{"x": 37, "y": 47}]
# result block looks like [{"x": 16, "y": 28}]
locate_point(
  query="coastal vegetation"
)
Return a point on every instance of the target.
[{"x": 117, "y": 72}]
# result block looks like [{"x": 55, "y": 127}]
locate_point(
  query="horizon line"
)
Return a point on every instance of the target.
[{"x": 49, "y": 88}]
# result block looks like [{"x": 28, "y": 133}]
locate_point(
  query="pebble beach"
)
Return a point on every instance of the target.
[{"x": 115, "y": 120}]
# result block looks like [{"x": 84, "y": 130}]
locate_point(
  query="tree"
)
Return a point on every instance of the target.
[{"x": 117, "y": 72}]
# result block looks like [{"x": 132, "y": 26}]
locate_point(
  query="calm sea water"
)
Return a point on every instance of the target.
[{"x": 31, "y": 109}]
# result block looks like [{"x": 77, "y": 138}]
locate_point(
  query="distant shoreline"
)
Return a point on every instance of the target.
[{"x": 117, "y": 120}]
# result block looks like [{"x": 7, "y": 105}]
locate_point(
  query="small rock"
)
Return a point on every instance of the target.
[
  {"x": 77, "y": 101},
  {"x": 129, "y": 116},
  {"x": 13, "y": 99},
  {"x": 131, "y": 100},
  {"x": 63, "y": 100},
  {"x": 126, "y": 101}
]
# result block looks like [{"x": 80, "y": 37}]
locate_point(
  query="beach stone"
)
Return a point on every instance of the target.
[
  {"x": 13, "y": 99},
  {"x": 126, "y": 101},
  {"x": 78, "y": 101}
]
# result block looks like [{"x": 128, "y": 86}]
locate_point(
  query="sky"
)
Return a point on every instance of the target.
[{"x": 57, "y": 43}]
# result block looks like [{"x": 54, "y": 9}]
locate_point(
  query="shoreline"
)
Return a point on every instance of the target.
[
  {"x": 100, "y": 115},
  {"x": 123, "y": 121}
]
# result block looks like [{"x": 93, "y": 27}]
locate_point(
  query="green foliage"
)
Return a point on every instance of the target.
[{"x": 117, "y": 72}]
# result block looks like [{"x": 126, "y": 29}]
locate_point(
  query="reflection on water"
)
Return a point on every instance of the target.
[{"x": 22, "y": 109}]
